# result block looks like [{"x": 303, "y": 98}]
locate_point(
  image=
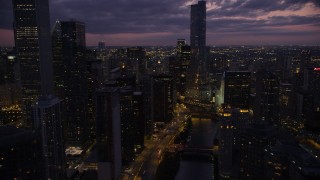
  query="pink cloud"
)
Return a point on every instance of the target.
[
  {"x": 6, "y": 37},
  {"x": 271, "y": 39},
  {"x": 309, "y": 9},
  {"x": 130, "y": 39}
]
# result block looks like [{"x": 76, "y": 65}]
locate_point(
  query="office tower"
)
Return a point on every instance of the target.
[
  {"x": 33, "y": 45},
  {"x": 96, "y": 78},
  {"x": 286, "y": 105},
  {"x": 92, "y": 84},
  {"x": 305, "y": 62},
  {"x": 309, "y": 104},
  {"x": 198, "y": 30},
  {"x": 226, "y": 136},
  {"x": 286, "y": 68},
  {"x": 236, "y": 89},
  {"x": 75, "y": 95},
  {"x": 180, "y": 43},
  {"x": 102, "y": 45},
  {"x": 183, "y": 71},
  {"x": 139, "y": 121},
  {"x": 162, "y": 98},
  {"x": 255, "y": 142},
  {"x": 48, "y": 125},
  {"x": 101, "y": 52},
  {"x": 127, "y": 125},
  {"x": 232, "y": 123},
  {"x": 146, "y": 89},
  {"x": 59, "y": 66},
  {"x": 99, "y": 72},
  {"x": 20, "y": 154},
  {"x": 267, "y": 96},
  {"x": 136, "y": 61},
  {"x": 108, "y": 142},
  {"x": 174, "y": 71}
]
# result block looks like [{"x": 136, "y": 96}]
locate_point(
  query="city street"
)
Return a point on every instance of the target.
[{"x": 145, "y": 165}]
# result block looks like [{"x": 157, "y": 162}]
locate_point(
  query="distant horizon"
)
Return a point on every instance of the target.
[{"x": 8, "y": 41}]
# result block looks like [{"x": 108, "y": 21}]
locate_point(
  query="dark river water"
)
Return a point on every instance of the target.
[{"x": 199, "y": 166}]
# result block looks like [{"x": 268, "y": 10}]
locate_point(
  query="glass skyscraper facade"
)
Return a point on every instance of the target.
[
  {"x": 198, "y": 29},
  {"x": 33, "y": 45}
]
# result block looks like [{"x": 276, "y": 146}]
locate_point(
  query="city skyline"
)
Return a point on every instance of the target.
[
  {"x": 160, "y": 23},
  {"x": 71, "y": 110}
]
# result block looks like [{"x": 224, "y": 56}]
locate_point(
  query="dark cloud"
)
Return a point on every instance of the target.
[
  {"x": 251, "y": 8},
  {"x": 114, "y": 16},
  {"x": 6, "y": 14},
  {"x": 147, "y": 16}
]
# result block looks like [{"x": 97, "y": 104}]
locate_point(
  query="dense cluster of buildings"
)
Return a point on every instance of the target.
[{"x": 69, "y": 111}]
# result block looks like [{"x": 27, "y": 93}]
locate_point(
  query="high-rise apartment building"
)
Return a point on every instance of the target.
[
  {"x": 198, "y": 30},
  {"x": 33, "y": 45}
]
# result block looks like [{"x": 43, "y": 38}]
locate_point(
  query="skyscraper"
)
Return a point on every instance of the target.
[
  {"x": 236, "y": 88},
  {"x": 20, "y": 154},
  {"x": 136, "y": 61},
  {"x": 162, "y": 89},
  {"x": 33, "y": 44},
  {"x": 59, "y": 67},
  {"x": 198, "y": 29},
  {"x": 267, "y": 96},
  {"x": 139, "y": 120},
  {"x": 180, "y": 43},
  {"x": 48, "y": 124},
  {"x": 286, "y": 103},
  {"x": 127, "y": 125},
  {"x": 146, "y": 89},
  {"x": 108, "y": 133},
  {"x": 75, "y": 82},
  {"x": 311, "y": 107},
  {"x": 184, "y": 65},
  {"x": 255, "y": 142}
]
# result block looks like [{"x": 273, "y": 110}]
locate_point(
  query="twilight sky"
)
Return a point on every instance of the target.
[{"x": 161, "y": 22}]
